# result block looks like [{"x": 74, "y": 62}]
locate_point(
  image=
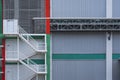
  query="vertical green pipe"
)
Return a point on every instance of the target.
[
  {"x": 48, "y": 56},
  {"x": 0, "y": 16},
  {"x": 1, "y": 25}
]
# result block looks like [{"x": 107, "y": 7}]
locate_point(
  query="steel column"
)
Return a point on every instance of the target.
[{"x": 108, "y": 55}]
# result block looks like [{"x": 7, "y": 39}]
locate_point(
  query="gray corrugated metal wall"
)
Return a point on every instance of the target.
[
  {"x": 116, "y": 70},
  {"x": 79, "y": 42},
  {"x": 82, "y": 43},
  {"x": 78, "y": 8},
  {"x": 116, "y": 42},
  {"x": 116, "y": 50},
  {"x": 116, "y": 10},
  {"x": 79, "y": 70}
]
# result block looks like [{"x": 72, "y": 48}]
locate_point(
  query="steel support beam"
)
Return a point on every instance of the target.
[{"x": 108, "y": 55}]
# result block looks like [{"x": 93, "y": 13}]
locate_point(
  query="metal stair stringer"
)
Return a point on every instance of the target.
[{"x": 20, "y": 35}]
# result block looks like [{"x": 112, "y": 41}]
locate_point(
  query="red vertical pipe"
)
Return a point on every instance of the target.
[
  {"x": 3, "y": 49},
  {"x": 3, "y": 61},
  {"x": 47, "y": 15}
]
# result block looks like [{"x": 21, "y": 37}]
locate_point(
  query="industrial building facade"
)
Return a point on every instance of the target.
[{"x": 59, "y": 40}]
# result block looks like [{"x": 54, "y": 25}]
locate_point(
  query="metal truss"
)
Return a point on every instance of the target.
[{"x": 85, "y": 25}]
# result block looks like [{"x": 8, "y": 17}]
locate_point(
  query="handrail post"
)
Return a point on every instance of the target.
[
  {"x": 28, "y": 61},
  {"x": 37, "y": 68},
  {"x": 27, "y": 37}
]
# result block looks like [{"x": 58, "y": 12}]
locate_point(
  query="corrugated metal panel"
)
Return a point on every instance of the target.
[
  {"x": 116, "y": 42},
  {"x": 79, "y": 70},
  {"x": 78, "y": 8},
  {"x": 116, "y": 10},
  {"x": 116, "y": 70},
  {"x": 11, "y": 72},
  {"x": 78, "y": 42}
]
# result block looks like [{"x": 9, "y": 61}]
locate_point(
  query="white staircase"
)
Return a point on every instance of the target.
[
  {"x": 39, "y": 69},
  {"x": 24, "y": 57},
  {"x": 31, "y": 41}
]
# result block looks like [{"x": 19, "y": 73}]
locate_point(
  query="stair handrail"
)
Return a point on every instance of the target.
[
  {"x": 24, "y": 33},
  {"x": 34, "y": 78},
  {"x": 42, "y": 68},
  {"x": 30, "y": 77},
  {"x": 38, "y": 67},
  {"x": 29, "y": 61}
]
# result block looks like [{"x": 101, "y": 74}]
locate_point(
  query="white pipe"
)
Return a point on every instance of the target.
[
  {"x": 18, "y": 78},
  {"x": 109, "y": 8},
  {"x": 108, "y": 56}
]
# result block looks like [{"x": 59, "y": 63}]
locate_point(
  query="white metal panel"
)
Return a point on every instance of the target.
[
  {"x": 9, "y": 75},
  {"x": 11, "y": 49},
  {"x": 10, "y": 26},
  {"x": 11, "y": 72}
]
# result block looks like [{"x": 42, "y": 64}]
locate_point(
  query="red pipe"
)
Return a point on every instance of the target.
[
  {"x": 47, "y": 15},
  {"x": 3, "y": 59},
  {"x": 3, "y": 49}
]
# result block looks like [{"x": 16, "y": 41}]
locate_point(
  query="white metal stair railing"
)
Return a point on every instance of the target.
[
  {"x": 38, "y": 68},
  {"x": 31, "y": 76},
  {"x": 24, "y": 35},
  {"x": 31, "y": 41},
  {"x": 34, "y": 78}
]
